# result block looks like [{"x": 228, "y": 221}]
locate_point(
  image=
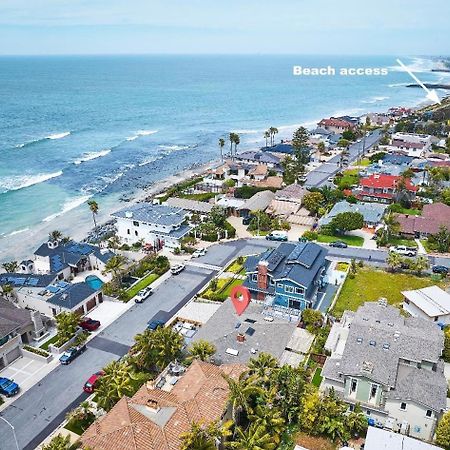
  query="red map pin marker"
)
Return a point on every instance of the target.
[{"x": 240, "y": 296}]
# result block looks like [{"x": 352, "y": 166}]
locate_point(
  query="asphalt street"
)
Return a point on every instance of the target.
[{"x": 319, "y": 177}]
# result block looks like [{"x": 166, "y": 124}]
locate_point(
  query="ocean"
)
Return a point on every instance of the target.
[{"x": 105, "y": 127}]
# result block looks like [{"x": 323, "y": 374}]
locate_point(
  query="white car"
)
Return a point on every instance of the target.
[
  {"x": 404, "y": 250},
  {"x": 143, "y": 294},
  {"x": 178, "y": 268},
  {"x": 199, "y": 252}
]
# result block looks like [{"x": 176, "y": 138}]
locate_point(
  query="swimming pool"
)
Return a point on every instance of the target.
[{"x": 94, "y": 282}]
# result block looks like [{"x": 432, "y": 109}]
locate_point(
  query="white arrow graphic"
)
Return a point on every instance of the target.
[{"x": 431, "y": 94}]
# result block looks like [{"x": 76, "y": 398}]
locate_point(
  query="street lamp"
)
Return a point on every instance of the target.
[{"x": 13, "y": 430}]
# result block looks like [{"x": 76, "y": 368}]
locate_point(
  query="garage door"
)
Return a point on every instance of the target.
[
  {"x": 91, "y": 304},
  {"x": 13, "y": 355}
]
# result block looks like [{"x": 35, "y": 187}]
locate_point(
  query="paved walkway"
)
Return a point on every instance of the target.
[{"x": 420, "y": 248}]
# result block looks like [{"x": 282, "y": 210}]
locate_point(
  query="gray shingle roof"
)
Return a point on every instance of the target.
[
  {"x": 372, "y": 212},
  {"x": 12, "y": 318},
  {"x": 72, "y": 296},
  {"x": 189, "y": 205},
  {"x": 153, "y": 214},
  {"x": 259, "y": 201}
]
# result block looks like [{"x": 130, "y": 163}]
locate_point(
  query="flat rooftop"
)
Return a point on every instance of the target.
[{"x": 279, "y": 337}]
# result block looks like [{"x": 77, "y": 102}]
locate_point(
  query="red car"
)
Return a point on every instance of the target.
[
  {"x": 89, "y": 324},
  {"x": 89, "y": 386}
]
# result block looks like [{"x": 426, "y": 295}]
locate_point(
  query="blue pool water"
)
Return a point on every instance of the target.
[{"x": 94, "y": 282}]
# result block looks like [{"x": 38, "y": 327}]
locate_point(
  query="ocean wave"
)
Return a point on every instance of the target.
[
  {"x": 16, "y": 182},
  {"x": 51, "y": 137},
  {"x": 416, "y": 65},
  {"x": 375, "y": 99},
  {"x": 246, "y": 131},
  {"x": 13, "y": 233},
  {"x": 68, "y": 206},
  {"x": 398, "y": 84},
  {"x": 140, "y": 133},
  {"x": 148, "y": 160},
  {"x": 89, "y": 156}
]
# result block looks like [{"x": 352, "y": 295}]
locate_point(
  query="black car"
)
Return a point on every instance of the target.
[
  {"x": 155, "y": 324},
  {"x": 247, "y": 220},
  {"x": 338, "y": 244},
  {"x": 69, "y": 355},
  {"x": 440, "y": 269}
]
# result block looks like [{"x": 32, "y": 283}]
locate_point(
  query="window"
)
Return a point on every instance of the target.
[
  {"x": 429, "y": 413},
  {"x": 135, "y": 223},
  {"x": 254, "y": 277},
  {"x": 403, "y": 406},
  {"x": 353, "y": 386},
  {"x": 373, "y": 343},
  {"x": 300, "y": 291},
  {"x": 136, "y": 233},
  {"x": 271, "y": 281},
  {"x": 280, "y": 285},
  {"x": 128, "y": 231},
  {"x": 289, "y": 289},
  {"x": 373, "y": 391}
]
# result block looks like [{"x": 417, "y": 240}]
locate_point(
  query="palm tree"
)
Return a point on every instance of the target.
[
  {"x": 66, "y": 325},
  {"x": 271, "y": 419},
  {"x": 391, "y": 225},
  {"x": 221, "y": 145},
  {"x": 7, "y": 289},
  {"x": 55, "y": 235},
  {"x": 11, "y": 266},
  {"x": 394, "y": 261},
  {"x": 237, "y": 141},
  {"x": 114, "y": 384},
  {"x": 272, "y": 132},
  {"x": 115, "y": 265},
  {"x": 263, "y": 367},
  {"x": 114, "y": 242},
  {"x": 256, "y": 437},
  {"x": 421, "y": 263},
  {"x": 241, "y": 391},
  {"x": 266, "y": 136},
  {"x": 93, "y": 206},
  {"x": 201, "y": 350},
  {"x": 59, "y": 442},
  {"x": 231, "y": 137},
  {"x": 204, "y": 437},
  {"x": 356, "y": 421}
]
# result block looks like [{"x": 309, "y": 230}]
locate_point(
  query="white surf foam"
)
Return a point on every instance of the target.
[
  {"x": 375, "y": 99},
  {"x": 13, "y": 233},
  {"x": 57, "y": 135},
  {"x": 68, "y": 206},
  {"x": 16, "y": 182},
  {"x": 140, "y": 133},
  {"x": 416, "y": 65},
  {"x": 89, "y": 156}
]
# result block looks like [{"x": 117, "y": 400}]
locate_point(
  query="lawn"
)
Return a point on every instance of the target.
[
  {"x": 356, "y": 241},
  {"x": 365, "y": 162},
  {"x": 202, "y": 197},
  {"x": 52, "y": 340},
  {"x": 224, "y": 286},
  {"x": 371, "y": 284},
  {"x": 410, "y": 211},
  {"x": 349, "y": 178},
  {"x": 317, "y": 378},
  {"x": 402, "y": 241},
  {"x": 235, "y": 267},
  {"x": 342, "y": 266},
  {"x": 146, "y": 281}
]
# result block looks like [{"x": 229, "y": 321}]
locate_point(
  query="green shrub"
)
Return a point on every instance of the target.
[
  {"x": 310, "y": 235},
  {"x": 37, "y": 351}
]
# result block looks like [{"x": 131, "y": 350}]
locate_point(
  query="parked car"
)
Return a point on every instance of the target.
[
  {"x": 69, "y": 355},
  {"x": 277, "y": 235},
  {"x": 8, "y": 387},
  {"x": 155, "y": 324},
  {"x": 89, "y": 386},
  {"x": 177, "y": 268},
  {"x": 246, "y": 220},
  {"x": 89, "y": 324},
  {"x": 404, "y": 250},
  {"x": 199, "y": 252},
  {"x": 443, "y": 270},
  {"x": 330, "y": 179},
  {"x": 338, "y": 244},
  {"x": 143, "y": 294}
]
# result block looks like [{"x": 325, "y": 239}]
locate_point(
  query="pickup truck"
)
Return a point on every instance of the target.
[
  {"x": 89, "y": 324},
  {"x": 69, "y": 355},
  {"x": 8, "y": 387},
  {"x": 404, "y": 250}
]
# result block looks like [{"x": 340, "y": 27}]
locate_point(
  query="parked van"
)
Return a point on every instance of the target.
[{"x": 277, "y": 235}]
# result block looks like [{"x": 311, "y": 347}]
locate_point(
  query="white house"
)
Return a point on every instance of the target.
[
  {"x": 154, "y": 225},
  {"x": 416, "y": 145},
  {"x": 391, "y": 365},
  {"x": 431, "y": 303}
]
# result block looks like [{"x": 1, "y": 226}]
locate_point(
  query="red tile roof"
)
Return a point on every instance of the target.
[
  {"x": 332, "y": 122},
  {"x": 154, "y": 419},
  {"x": 385, "y": 182}
]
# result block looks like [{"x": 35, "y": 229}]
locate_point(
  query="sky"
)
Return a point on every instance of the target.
[{"x": 401, "y": 27}]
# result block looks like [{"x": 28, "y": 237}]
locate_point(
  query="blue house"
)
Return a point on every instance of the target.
[{"x": 288, "y": 276}]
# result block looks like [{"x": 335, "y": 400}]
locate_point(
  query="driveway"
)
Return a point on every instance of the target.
[{"x": 23, "y": 369}]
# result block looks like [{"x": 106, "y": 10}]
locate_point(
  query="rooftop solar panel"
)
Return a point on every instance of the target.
[{"x": 250, "y": 331}]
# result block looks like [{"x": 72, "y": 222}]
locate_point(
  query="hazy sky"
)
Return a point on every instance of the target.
[{"x": 224, "y": 26}]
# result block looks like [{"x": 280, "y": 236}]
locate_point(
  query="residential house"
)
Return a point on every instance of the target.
[
  {"x": 162, "y": 410},
  {"x": 336, "y": 125},
  {"x": 230, "y": 204},
  {"x": 287, "y": 204},
  {"x": 379, "y": 119},
  {"x": 258, "y": 157},
  {"x": 282, "y": 147},
  {"x": 258, "y": 202},
  {"x": 269, "y": 182},
  {"x": 391, "y": 365},
  {"x": 193, "y": 206},
  {"x": 289, "y": 276},
  {"x": 382, "y": 188},
  {"x": 66, "y": 259},
  {"x": 431, "y": 303},
  {"x": 49, "y": 295},
  {"x": 17, "y": 326},
  {"x": 433, "y": 217},
  {"x": 372, "y": 213},
  {"x": 416, "y": 145},
  {"x": 156, "y": 226}
]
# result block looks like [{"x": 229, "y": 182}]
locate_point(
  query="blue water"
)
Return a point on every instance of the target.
[
  {"x": 76, "y": 127},
  {"x": 94, "y": 282}
]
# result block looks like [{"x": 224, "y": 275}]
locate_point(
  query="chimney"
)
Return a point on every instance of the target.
[
  {"x": 262, "y": 275},
  {"x": 152, "y": 405},
  {"x": 240, "y": 337},
  {"x": 151, "y": 385}
]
